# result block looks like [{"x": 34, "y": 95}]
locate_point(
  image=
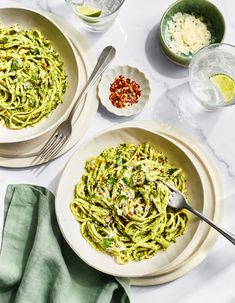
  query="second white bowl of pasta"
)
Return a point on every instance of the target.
[
  {"x": 111, "y": 205},
  {"x": 39, "y": 75}
]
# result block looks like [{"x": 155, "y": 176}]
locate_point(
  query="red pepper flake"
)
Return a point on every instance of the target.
[{"x": 124, "y": 92}]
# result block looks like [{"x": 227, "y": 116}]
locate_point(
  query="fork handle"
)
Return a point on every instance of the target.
[
  {"x": 225, "y": 233},
  {"x": 103, "y": 61}
]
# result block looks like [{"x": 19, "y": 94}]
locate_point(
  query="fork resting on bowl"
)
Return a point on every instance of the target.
[
  {"x": 61, "y": 135},
  {"x": 178, "y": 201}
]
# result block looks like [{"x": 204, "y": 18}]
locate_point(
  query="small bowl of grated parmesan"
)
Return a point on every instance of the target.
[{"x": 187, "y": 26}]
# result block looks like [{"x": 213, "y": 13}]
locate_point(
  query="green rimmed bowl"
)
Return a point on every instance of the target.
[{"x": 197, "y": 7}]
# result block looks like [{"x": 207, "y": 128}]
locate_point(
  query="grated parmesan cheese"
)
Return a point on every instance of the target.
[{"x": 187, "y": 34}]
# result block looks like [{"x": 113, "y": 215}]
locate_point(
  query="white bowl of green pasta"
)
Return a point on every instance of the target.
[
  {"x": 39, "y": 75},
  {"x": 111, "y": 203}
]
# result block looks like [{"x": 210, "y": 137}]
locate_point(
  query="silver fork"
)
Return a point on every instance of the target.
[
  {"x": 61, "y": 135},
  {"x": 178, "y": 201}
]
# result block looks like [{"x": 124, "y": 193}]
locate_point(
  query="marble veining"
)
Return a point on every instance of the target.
[{"x": 134, "y": 35}]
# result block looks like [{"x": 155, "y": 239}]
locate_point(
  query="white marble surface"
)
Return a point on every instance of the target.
[{"x": 134, "y": 36}]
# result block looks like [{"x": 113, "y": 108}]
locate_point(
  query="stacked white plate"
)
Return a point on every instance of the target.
[
  {"x": 205, "y": 237},
  {"x": 204, "y": 188},
  {"x": 19, "y": 154}
]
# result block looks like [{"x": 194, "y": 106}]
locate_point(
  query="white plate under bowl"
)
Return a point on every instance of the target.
[
  {"x": 205, "y": 237},
  {"x": 10, "y": 152},
  {"x": 27, "y": 18},
  {"x": 128, "y": 72},
  {"x": 73, "y": 172}
]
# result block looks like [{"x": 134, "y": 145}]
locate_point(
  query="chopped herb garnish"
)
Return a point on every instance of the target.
[
  {"x": 106, "y": 243},
  {"x": 138, "y": 194},
  {"x": 15, "y": 65},
  {"x": 111, "y": 180},
  {"x": 126, "y": 180},
  {"x": 119, "y": 160},
  {"x": 35, "y": 51},
  {"x": 121, "y": 197},
  {"x": 4, "y": 40}
]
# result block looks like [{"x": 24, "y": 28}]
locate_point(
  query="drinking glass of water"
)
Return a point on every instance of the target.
[
  {"x": 96, "y": 15},
  {"x": 212, "y": 75}
]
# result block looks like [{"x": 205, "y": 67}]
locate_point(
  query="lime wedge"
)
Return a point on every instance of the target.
[
  {"x": 225, "y": 84},
  {"x": 88, "y": 11}
]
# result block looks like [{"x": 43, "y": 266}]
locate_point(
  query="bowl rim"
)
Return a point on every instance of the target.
[
  {"x": 178, "y": 59},
  {"x": 123, "y": 111},
  {"x": 62, "y": 223},
  {"x": 62, "y": 117}
]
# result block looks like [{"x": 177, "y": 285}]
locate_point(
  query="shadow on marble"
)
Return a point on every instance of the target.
[
  {"x": 66, "y": 12},
  {"x": 106, "y": 115},
  {"x": 177, "y": 106},
  {"x": 43, "y": 5},
  {"x": 158, "y": 60},
  {"x": 92, "y": 37},
  {"x": 55, "y": 181}
]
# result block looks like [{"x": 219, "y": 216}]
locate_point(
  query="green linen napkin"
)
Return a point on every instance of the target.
[{"x": 37, "y": 265}]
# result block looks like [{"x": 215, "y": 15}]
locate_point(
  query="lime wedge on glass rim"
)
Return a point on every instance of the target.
[
  {"x": 88, "y": 11},
  {"x": 225, "y": 84}
]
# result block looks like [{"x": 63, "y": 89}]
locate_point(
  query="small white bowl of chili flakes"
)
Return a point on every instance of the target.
[{"x": 124, "y": 90}]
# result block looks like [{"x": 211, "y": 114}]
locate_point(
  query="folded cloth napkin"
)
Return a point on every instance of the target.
[{"x": 37, "y": 265}]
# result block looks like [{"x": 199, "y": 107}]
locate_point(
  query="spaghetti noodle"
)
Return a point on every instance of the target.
[
  {"x": 32, "y": 77},
  {"x": 121, "y": 203}
]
